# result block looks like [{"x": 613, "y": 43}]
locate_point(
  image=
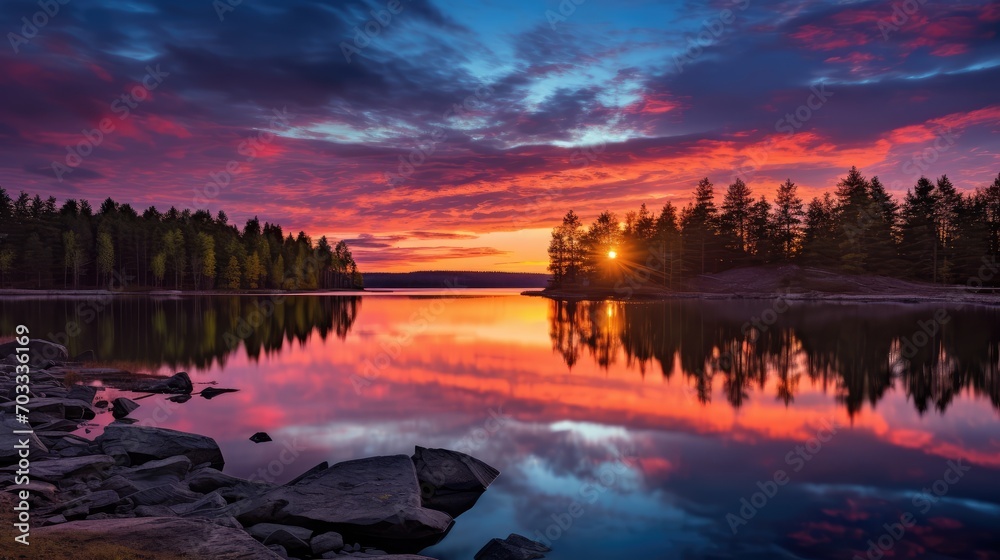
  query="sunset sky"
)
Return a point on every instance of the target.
[{"x": 512, "y": 111}]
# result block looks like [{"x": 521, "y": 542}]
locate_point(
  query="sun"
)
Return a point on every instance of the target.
[{"x": 612, "y": 254}]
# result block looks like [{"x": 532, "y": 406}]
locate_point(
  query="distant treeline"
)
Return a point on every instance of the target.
[
  {"x": 454, "y": 279},
  {"x": 936, "y": 234},
  {"x": 43, "y": 245}
]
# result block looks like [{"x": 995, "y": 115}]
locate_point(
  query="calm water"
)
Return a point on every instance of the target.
[{"x": 622, "y": 429}]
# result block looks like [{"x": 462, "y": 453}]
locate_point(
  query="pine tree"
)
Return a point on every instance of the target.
[
  {"x": 919, "y": 243},
  {"x": 788, "y": 215},
  {"x": 699, "y": 230},
  {"x": 734, "y": 223}
]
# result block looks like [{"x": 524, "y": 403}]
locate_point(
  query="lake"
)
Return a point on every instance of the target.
[{"x": 679, "y": 429}]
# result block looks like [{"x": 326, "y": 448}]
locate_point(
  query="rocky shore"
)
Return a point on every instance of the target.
[{"x": 164, "y": 492}]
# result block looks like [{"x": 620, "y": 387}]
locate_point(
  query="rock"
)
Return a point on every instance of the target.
[
  {"x": 122, "y": 407},
  {"x": 227, "y": 521},
  {"x": 207, "y": 480},
  {"x": 279, "y": 550},
  {"x": 326, "y": 542},
  {"x": 309, "y": 473},
  {"x": 120, "y": 485},
  {"x": 260, "y": 437},
  {"x": 158, "y": 473},
  {"x": 144, "y": 443},
  {"x": 178, "y": 384},
  {"x": 292, "y": 543},
  {"x": 71, "y": 409},
  {"x": 41, "y": 352},
  {"x": 514, "y": 547},
  {"x": 172, "y": 537},
  {"x": 450, "y": 481},
  {"x": 84, "y": 393},
  {"x": 232, "y": 489},
  {"x": 179, "y": 398},
  {"x": 101, "y": 404},
  {"x": 261, "y": 531},
  {"x": 375, "y": 500},
  {"x": 212, "y": 392},
  {"x": 153, "y": 511},
  {"x": 210, "y": 504},
  {"x": 165, "y": 495},
  {"x": 526, "y": 543},
  {"x": 59, "y": 470},
  {"x": 90, "y": 503}
]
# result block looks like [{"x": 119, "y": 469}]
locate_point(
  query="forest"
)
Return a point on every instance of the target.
[
  {"x": 47, "y": 246},
  {"x": 936, "y": 234}
]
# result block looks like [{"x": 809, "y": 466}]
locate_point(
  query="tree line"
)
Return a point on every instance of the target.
[
  {"x": 935, "y": 234},
  {"x": 44, "y": 245}
]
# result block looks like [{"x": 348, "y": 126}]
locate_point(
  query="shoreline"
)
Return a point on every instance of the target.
[
  {"x": 126, "y": 489},
  {"x": 806, "y": 297}
]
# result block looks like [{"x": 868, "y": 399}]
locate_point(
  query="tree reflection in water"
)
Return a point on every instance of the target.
[
  {"x": 857, "y": 351},
  {"x": 183, "y": 332}
]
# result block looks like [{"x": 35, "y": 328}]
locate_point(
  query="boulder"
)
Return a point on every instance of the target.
[
  {"x": 450, "y": 481},
  {"x": 89, "y": 503},
  {"x": 70, "y": 409},
  {"x": 327, "y": 542},
  {"x": 514, "y": 547},
  {"x": 177, "y": 384},
  {"x": 374, "y": 500},
  {"x": 145, "y": 443},
  {"x": 261, "y": 531},
  {"x": 166, "y": 495},
  {"x": 207, "y": 506},
  {"x": 84, "y": 393},
  {"x": 122, "y": 407},
  {"x": 158, "y": 473},
  {"x": 260, "y": 437},
  {"x": 40, "y": 352},
  {"x": 59, "y": 470},
  {"x": 187, "y": 538},
  {"x": 293, "y": 539}
]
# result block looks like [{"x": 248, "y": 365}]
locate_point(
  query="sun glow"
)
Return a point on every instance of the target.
[{"x": 612, "y": 254}]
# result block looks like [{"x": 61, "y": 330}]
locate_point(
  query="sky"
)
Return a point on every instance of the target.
[{"x": 453, "y": 135}]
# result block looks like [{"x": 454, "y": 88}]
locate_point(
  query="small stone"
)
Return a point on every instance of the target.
[
  {"x": 260, "y": 437},
  {"x": 327, "y": 542},
  {"x": 122, "y": 407},
  {"x": 212, "y": 392}
]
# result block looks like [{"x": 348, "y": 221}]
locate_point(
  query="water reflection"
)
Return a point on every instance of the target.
[
  {"x": 856, "y": 352},
  {"x": 702, "y": 412},
  {"x": 182, "y": 332}
]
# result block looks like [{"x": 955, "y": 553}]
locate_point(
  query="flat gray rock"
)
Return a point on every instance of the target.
[
  {"x": 56, "y": 470},
  {"x": 144, "y": 443},
  {"x": 374, "y": 500},
  {"x": 187, "y": 538}
]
